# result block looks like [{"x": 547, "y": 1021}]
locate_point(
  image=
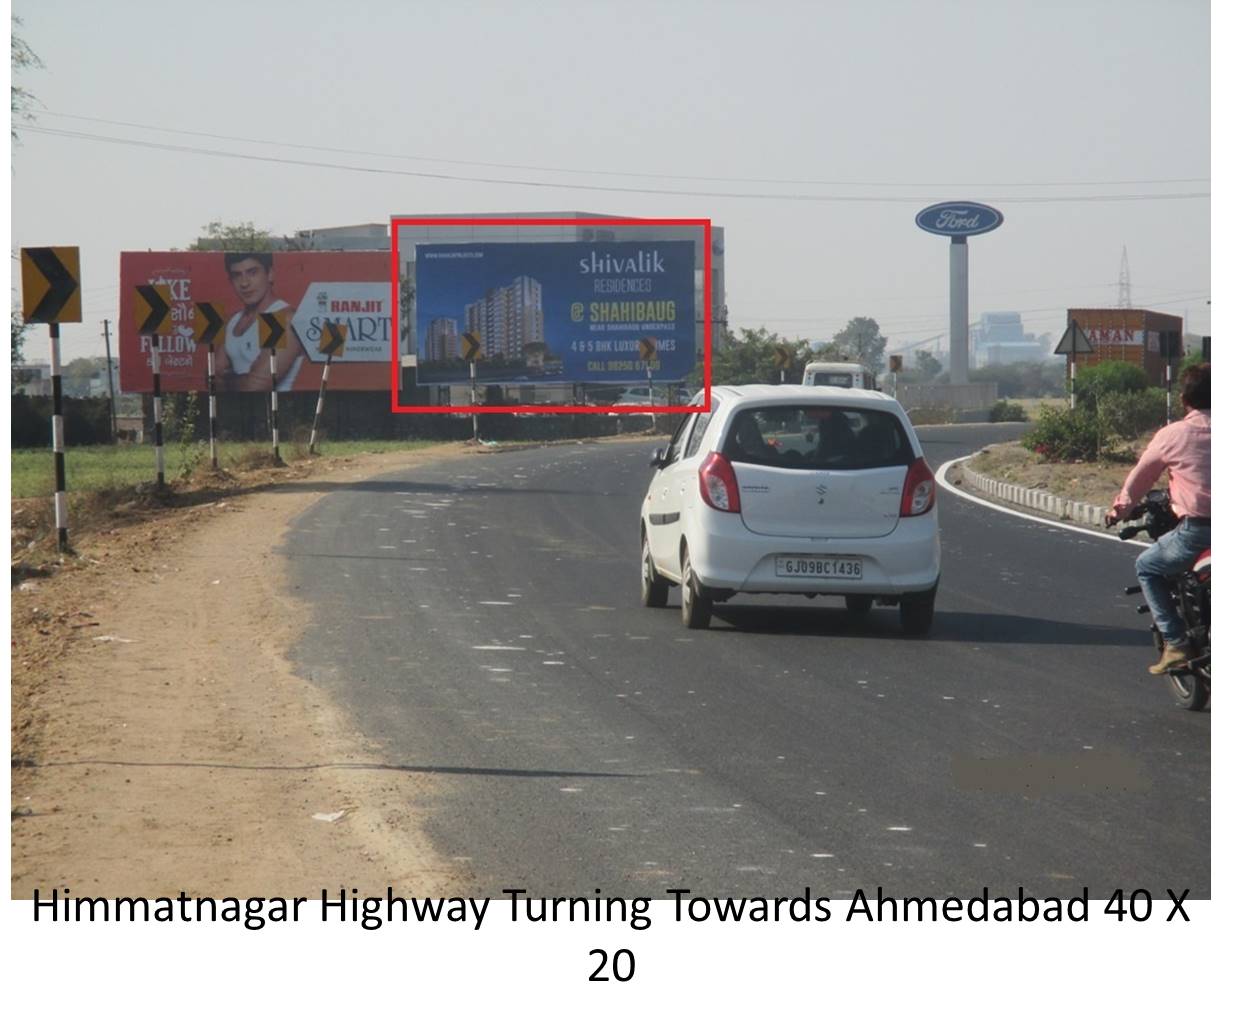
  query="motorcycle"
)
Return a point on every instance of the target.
[{"x": 1191, "y": 683}]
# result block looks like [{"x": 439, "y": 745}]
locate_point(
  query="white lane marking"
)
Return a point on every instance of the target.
[
  {"x": 554, "y": 663},
  {"x": 941, "y": 478},
  {"x": 899, "y": 828},
  {"x": 495, "y": 647},
  {"x": 821, "y": 855},
  {"x": 502, "y": 603}
]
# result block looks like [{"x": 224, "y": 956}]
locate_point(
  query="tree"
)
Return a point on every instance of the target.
[
  {"x": 243, "y": 237},
  {"x": 21, "y": 58},
  {"x": 748, "y": 357},
  {"x": 862, "y": 342},
  {"x": 927, "y": 364}
]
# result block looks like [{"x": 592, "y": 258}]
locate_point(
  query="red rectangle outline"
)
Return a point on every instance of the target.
[{"x": 396, "y": 310}]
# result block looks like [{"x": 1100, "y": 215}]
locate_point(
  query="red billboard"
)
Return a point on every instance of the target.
[{"x": 350, "y": 288}]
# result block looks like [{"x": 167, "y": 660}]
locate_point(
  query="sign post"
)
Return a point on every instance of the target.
[
  {"x": 153, "y": 311},
  {"x": 896, "y": 364},
  {"x": 51, "y": 294},
  {"x": 782, "y": 358},
  {"x": 958, "y": 221},
  {"x": 333, "y": 342},
  {"x": 208, "y": 320},
  {"x": 1074, "y": 342},
  {"x": 648, "y": 348},
  {"x": 272, "y": 333},
  {"x": 471, "y": 352}
]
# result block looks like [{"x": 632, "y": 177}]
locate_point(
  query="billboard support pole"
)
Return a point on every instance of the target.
[
  {"x": 325, "y": 377},
  {"x": 159, "y": 464},
  {"x": 213, "y": 402},
  {"x": 274, "y": 404},
  {"x": 474, "y": 417},
  {"x": 57, "y": 440}
]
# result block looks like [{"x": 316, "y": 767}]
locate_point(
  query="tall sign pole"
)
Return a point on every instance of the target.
[
  {"x": 153, "y": 309},
  {"x": 208, "y": 320},
  {"x": 272, "y": 333},
  {"x": 959, "y": 310},
  {"x": 958, "y": 221},
  {"x": 333, "y": 343},
  {"x": 51, "y": 294}
]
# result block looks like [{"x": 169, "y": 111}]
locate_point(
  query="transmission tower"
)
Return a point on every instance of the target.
[{"x": 1123, "y": 283}]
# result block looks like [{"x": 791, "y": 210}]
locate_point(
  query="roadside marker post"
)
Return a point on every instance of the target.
[
  {"x": 153, "y": 311},
  {"x": 207, "y": 322},
  {"x": 272, "y": 333},
  {"x": 1074, "y": 342},
  {"x": 783, "y": 356},
  {"x": 471, "y": 352},
  {"x": 648, "y": 348},
  {"x": 51, "y": 294},
  {"x": 896, "y": 364},
  {"x": 333, "y": 342}
]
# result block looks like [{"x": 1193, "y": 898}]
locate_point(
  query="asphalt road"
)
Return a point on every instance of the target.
[{"x": 480, "y": 619}]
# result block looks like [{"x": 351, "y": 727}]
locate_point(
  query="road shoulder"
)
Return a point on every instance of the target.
[{"x": 162, "y": 741}]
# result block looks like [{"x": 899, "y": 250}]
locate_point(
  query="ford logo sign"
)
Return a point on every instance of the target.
[{"x": 958, "y": 219}]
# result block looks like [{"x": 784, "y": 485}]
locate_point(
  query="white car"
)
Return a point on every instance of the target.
[{"x": 793, "y": 490}]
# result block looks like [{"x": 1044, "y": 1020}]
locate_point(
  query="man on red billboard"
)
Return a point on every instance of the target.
[{"x": 243, "y": 366}]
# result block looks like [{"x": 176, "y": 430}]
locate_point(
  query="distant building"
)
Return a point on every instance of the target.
[
  {"x": 508, "y": 319},
  {"x": 31, "y": 379},
  {"x": 443, "y": 339}
]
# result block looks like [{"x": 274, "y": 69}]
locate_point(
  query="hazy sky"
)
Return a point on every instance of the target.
[{"x": 882, "y": 107}]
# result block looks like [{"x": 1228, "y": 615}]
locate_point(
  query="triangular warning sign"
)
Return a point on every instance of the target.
[{"x": 1074, "y": 342}]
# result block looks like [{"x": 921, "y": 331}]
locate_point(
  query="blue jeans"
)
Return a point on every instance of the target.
[{"x": 1172, "y": 555}]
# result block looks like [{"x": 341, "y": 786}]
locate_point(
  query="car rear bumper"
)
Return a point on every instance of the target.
[{"x": 727, "y": 556}]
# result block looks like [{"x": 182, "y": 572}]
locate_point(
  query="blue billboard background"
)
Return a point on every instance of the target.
[{"x": 555, "y": 311}]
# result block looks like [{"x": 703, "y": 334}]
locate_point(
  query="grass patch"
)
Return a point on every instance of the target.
[{"x": 104, "y": 468}]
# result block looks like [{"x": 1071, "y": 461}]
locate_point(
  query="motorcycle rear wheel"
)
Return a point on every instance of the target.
[{"x": 1190, "y": 690}]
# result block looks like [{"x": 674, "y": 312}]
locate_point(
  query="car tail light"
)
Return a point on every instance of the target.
[
  {"x": 919, "y": 490},
  {"x": 717, "y": 481}
]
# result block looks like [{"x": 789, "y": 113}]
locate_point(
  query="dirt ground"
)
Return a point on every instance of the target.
[
  {"x": 1095, "y": 483},
  {"x": 162, "y": 742}
]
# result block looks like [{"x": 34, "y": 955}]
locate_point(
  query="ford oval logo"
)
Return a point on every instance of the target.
[{"x": 957, "y": 219}]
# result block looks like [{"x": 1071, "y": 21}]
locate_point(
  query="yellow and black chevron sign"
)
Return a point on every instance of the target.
[
  {"x": 152, "y": 310},
  {"x": 647, "y": 348},
  {"x": 272, "y": 329},
  {"x": 333, "y": 338},
  {"x": 51, "y": 285}
]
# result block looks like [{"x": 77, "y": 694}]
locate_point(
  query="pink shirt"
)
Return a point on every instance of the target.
[{"x": 1183, "y": 448}]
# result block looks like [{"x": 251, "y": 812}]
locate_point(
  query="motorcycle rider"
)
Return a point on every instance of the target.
[{"x": 1183, "y": 448}]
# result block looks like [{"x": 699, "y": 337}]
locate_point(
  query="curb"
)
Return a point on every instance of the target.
[{"x": 1063, "y": 509}]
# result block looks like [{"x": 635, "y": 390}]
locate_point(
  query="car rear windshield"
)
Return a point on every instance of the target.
[
  {"x": 817, "y": 437},
  {"x": 832, "y": 380}
]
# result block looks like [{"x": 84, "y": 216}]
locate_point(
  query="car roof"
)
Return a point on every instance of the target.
[{"x": 790, "y": 394}]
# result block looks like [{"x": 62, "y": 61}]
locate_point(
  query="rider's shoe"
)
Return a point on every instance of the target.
[{"x": 1171, "y": 659}]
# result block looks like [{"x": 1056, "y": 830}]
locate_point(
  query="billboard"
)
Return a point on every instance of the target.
[
  {"x": 555, "y": 312},
  {"x": 313, "y": 287}
]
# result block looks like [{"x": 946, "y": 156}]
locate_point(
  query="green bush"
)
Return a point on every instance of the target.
[
  {"x": 1062, "y": 435},
  {"x": 1128, "y": 414},
  {"x": 1007, "y": 412},
  {"x": 1110, "y": 377}
]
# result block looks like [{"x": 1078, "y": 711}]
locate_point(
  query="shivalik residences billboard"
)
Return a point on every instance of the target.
[{"x": 555, "y": 311}]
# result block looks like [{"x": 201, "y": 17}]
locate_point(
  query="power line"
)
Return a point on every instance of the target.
[
  {"x": 627, "y": 174},
  {"x": 785, "y": 197}
]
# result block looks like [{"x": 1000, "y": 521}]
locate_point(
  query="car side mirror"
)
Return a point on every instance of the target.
[{"x": 657, "y": 458}]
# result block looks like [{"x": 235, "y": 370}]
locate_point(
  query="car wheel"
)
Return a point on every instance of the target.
[
  {"x": 916, "y": 612},
  {"x": 858, "y": 604},
  {"x": 695, "y": 602},
  {"x": 654, "y": 586}
]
